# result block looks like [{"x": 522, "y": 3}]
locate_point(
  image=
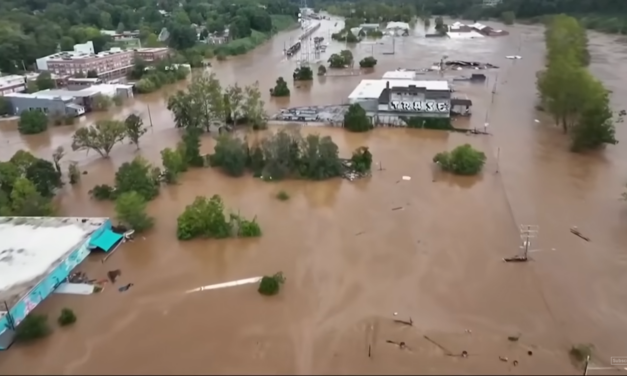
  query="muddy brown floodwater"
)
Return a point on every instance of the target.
[{"x": 351, "y": 261}]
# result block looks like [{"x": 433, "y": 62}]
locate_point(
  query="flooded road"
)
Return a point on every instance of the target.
[{"x": 350, "y": 260}]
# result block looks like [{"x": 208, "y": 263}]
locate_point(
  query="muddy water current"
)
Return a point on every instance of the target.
[{"x": 351, "y": 261}]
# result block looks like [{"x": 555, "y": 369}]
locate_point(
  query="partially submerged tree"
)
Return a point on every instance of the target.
[
  {"x": 44, "y": 176},
  {"x": 130, "y": 209},
  {"x": 173, "y": 162},
  {"x": 252, "y": 107},
  {"x": 322, "y": 70},
  {"x": 100, "y": 137},
  {"x": 32, "y": 122},
  {"x": 280, "y": 89},
  {"x": 230, "y": 154},
  {"x": 58, "y": 154},
  {"x": 67, "y": 317},
  {"x": 201, "y": 106},
  {"x": 33, "y": 327},
  {"x": 137, "y": 176},
  {"x": 356, "y": 120},
  {"x": 463, "y": 160},
  {"x": 204, "y": 218},
  {"x": 271, "y": 285},
  {"x": 74, "y": 173},
  {"x": 361, "y": 159},
  {"x": 26, "y": 201},
  {"x": 303, "y": 73},
  {"x": 368, "y": 62},
  {"x": 135, "y": 128},
  {"x": 101, "y": 102}
]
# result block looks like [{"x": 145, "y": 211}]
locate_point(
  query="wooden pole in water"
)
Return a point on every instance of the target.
[{"x": 498, "y": 157}]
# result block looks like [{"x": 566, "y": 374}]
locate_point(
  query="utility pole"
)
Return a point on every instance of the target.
[
  {"x": 498, "y": 157},
  {"x": 528, "y": 232},
  {"x": 150, "y": 118}
]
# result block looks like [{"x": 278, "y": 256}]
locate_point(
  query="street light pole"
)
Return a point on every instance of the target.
[{"x": 528, "y": 232}]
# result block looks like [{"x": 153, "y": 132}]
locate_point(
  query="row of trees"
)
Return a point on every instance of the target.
[
  {"x": 603, "y": 15},
  {"x": 206, "y": 105},
  {"x": 285, "y": 154},
  {"x": 152, "y": 78},
  {"x": 576, "y": 100}
]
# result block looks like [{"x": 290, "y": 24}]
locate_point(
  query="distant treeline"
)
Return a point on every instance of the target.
[{"x": 602, "y": 15}]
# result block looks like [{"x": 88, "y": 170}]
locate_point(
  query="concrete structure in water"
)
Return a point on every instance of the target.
[
  {"x": 399, "y": 95},
  {"x": 36, "y": 255}
]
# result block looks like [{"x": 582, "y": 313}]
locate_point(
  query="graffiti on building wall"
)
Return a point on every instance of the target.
[
  {"x": 19, "y": 311},
  {"x": 421, "y": 106}
]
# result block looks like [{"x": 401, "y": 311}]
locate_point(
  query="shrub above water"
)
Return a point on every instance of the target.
[
  {"x": 463, "y": 160},
  {"x": 270, "y": 285},
  {"x": 67, "y": 317},
  {"x": 33, "y": 327}
]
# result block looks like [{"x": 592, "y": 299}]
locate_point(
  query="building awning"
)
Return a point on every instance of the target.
[{"x": 106, "y": 240}]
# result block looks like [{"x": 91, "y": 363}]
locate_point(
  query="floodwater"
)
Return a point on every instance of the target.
[{"x": 351, "y": 261}]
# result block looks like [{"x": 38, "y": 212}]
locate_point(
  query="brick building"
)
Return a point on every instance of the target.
[
  {"x": 152, "y": 54},
  {"x": 110, "y": 64}
]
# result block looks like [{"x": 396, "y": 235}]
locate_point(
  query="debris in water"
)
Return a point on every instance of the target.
[
  {"x": 406, "y": 177},
  {"x": 114, "y": 274},
  {"x": 576, "y": 231},
  {"x": 395, "y": 313},
  {"x": 464, "y": 354},
  {"x": 408, "y": 323},
  {"x": 397, "y": 208},
  {"x": 226, "y": 284},
  {"x": 513, "y": 57},
  {"x": 125, "y": 287},
  {"x": 537, "y": 121},
  {"x": 513, "y": 338},
  {"x": 515, "y": 362},
  {"x": 360, "y": 232},
  {"x": 444, "y": 349},
  {"x": 503, "y": 359},
  {"x": 468, "y": 331}
]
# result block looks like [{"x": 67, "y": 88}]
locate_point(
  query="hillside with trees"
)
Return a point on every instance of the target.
[{"x": 32, "y": 29}]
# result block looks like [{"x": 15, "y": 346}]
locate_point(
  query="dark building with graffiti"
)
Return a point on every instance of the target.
[{"x": 386, "y": 101}]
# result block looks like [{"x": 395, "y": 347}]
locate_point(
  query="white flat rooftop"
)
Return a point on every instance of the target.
[
  {"x": 371, "y": 89},
  {"x": 31, "y": 247},
  {"x": 464, "y": 35},
  {"x": 399, "y": 75}
]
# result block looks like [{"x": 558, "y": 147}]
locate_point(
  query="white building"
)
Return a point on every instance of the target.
[
  {"x": 460, "y": 31},
  {"x": 397, "y": 28},
  {"x": 12, "y": 84}
]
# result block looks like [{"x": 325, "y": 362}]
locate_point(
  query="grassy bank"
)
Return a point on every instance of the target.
[{"x": 244, "y": 45}]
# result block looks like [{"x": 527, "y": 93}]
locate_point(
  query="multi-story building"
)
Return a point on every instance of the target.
[
  {"x": 152, "y": 54},
  {"x": 12, "y": 84},
  {"x": 110, "y": 64},
  {"x": 399, "y": 95}
]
